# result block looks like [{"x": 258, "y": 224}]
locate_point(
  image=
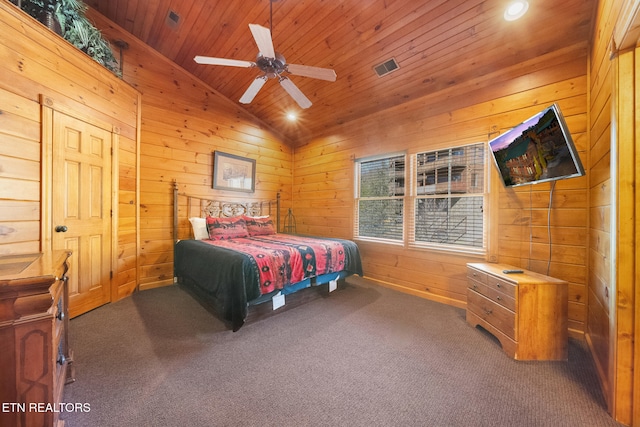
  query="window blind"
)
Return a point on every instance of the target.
[
  {"x": 381, "y": 190},
  {"x": 430, "y": 199},
  {"x": 449, "y": 197}
]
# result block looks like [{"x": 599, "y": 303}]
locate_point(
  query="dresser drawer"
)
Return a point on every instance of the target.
[
  {"x": 503, "y": 286},
  {"x": 57, "y": 304},
  {"x": 478, "y": 276},
  {"x": 59, "y": 377},
  {"x": 477, "y": 286},
  {"x": 494, "y": 294},
  {"x": 493, "y": 313}
]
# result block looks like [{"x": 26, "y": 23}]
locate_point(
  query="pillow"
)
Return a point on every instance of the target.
[
  {"x": 199, "y": 227},
  {"x": 259, "y": 225},
  {"x": 226, "y": 228}
]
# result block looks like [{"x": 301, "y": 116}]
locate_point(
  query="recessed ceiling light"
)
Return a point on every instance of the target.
[
  {"x": 516, "y": 10},
  {"x": 292, "y": 117}
]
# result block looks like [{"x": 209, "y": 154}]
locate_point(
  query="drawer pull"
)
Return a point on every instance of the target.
[
  {"x": 487, "y": 312},
  {"x": 498, "y": 284},
  {"x": 60, "y": 315},
  {"x": 61, "y": 359},
  {"x": 498, "y": 298}
]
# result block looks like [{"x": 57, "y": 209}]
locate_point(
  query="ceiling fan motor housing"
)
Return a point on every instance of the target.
[{"x": 272, "y": 67}]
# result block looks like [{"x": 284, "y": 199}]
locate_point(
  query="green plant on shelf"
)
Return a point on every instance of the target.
[{"x": 75, "y": 28}]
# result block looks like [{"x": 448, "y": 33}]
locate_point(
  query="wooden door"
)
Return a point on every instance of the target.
[{"x": 81, "y": 212}]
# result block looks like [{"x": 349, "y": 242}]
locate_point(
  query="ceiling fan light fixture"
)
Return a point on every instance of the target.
[
  {"x": 272, "y": 67},
  {"x": 272, "y": 64},
  {"x": 516, "y": 10}
]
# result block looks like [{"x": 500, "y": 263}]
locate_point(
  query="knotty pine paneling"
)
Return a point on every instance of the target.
[
  {"x": 40, "y": 62},
  {"x": 126, "y": 278},
  {"x": 600, "y": 304},
  {"x": 323, "y": 195},
  {"x": 183, "y": 122},
  {"x": 438, "y": 44},
  {"x": 625, "y": 244},
  {"x": 19, "y": 174},
  {"x": 35, "y": 61}
]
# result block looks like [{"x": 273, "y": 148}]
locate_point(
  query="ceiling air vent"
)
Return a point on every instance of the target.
[
  {"x": 173, "y": 19},
  {"x": 386, "y": 67}
]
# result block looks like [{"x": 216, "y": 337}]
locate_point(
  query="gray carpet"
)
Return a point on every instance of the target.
[{"x": 364, "y": 356}]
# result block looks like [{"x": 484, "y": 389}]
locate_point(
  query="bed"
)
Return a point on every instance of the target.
[{"x": 232, "y": 257}]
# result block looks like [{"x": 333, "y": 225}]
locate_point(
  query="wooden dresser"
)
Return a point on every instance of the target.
[
  {"x": 34, "y": 356},
  {"x": 526, "y": 312}
]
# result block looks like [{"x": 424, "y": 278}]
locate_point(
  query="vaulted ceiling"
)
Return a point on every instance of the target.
[{"x": 437, "y": 44}]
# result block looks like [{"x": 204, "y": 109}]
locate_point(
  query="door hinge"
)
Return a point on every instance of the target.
[{"x": 111, "y": 274}]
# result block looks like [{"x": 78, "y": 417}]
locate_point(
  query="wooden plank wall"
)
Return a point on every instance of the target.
[
  {"x": 34, "y": 62},
  {"x": 469, "y": 112},
  {"x": 623, "y": 246},
  {"x": 601, "y": 301},
  {"x": 613, "y": 285},
  {"x": 183, "y": 123},
  {"x": 19, "y": 174}
]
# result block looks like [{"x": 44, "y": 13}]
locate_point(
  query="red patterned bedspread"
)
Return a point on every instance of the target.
[{"x": 283, "y": 259}]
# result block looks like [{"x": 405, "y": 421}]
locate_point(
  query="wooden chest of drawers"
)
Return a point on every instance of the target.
[
  {"x": 526, "y": 312},
  {"x": 34, "y": 355}
]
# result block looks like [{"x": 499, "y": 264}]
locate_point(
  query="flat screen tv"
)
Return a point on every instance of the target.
[{"x": 540, "y": 149}]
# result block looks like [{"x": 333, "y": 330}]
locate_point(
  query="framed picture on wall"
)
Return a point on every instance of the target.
[{"x": 233, "y": 172}]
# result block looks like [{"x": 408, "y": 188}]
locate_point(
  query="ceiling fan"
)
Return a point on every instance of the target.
[{"x": 273, "y": 65}]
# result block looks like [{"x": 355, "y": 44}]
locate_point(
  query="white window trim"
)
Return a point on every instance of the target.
[
  {"x": 356, "y": 222},
  {"x": 410, "y": 197}
]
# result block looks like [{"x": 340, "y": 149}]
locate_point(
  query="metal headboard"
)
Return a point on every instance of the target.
[{"x": 203, "y": 207}]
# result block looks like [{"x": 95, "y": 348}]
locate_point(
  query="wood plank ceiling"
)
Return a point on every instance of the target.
[{"x": 437, "y": 44}]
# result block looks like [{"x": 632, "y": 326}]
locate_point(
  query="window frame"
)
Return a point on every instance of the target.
[
  {"x": 411, "y": 198},
  {"x": 358, "y": 198}
]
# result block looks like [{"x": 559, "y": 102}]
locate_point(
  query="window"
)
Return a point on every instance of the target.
[
  {"x": 445, "y": 201},
  {"x": 450, "y": 211},
  {"x": 380, "y": 198}
]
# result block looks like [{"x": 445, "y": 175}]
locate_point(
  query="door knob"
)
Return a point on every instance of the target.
[{"x": 61, "y": 228}]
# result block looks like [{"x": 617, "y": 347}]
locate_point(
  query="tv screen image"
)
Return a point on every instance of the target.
[{"x": 540, "y": 149}]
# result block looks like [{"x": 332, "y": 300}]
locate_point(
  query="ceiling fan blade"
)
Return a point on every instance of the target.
[
  {"x": 313, "y": 72},
  {"x": 262, "y": 37},
  {"x": 223, "y": 61},
  {"x": 253, "y": 89},
  {"x": 295, "y": 93}
]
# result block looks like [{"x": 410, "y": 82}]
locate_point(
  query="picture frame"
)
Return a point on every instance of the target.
[{"x": 235, "y": 173}]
